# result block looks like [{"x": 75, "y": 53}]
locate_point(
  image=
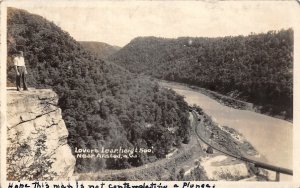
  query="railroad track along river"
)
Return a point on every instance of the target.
[{"x": 256, "y": 163}]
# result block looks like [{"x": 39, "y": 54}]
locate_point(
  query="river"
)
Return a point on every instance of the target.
[{"x": 271, "y": 137}]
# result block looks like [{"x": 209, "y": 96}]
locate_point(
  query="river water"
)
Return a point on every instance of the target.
[{"x": 271, "y": 137}]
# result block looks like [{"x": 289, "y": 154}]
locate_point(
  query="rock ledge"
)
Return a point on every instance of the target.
[{"x": 36, "y": 131}]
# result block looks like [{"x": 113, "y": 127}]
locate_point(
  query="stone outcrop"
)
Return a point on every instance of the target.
[{"x": 37, "y": 137}]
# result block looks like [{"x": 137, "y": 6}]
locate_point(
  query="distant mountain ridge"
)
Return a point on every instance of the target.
[
  {"x": 101, "y": 49},
  {"x": 257, "y": 68}
]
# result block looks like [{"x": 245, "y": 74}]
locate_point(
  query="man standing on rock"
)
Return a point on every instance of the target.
[{"x": 21, "y": 71}]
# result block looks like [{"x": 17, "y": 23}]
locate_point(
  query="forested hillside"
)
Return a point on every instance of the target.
[
  {"x": 100, "y": 49},
  {"x": 257, "y": 68},
  {"x": 102, "y": 104}
]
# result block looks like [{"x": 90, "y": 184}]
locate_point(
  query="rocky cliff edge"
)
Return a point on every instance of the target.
[{"x": 37, "y": 146}]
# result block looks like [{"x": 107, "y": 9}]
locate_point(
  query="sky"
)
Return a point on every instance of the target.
[{"x": 118, "y": 22}]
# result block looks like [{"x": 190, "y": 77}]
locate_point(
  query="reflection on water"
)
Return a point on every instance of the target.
[{"x": 271, "y": 137}]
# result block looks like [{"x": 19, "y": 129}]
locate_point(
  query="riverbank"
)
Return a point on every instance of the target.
[
  {"x": 224, "y": 148},
  {"x": 223, "y": 99},
  {"x": 268, "y": 135}
]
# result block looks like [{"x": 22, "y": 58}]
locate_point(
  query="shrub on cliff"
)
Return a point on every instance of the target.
[{"x": 29, "y": 162}]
